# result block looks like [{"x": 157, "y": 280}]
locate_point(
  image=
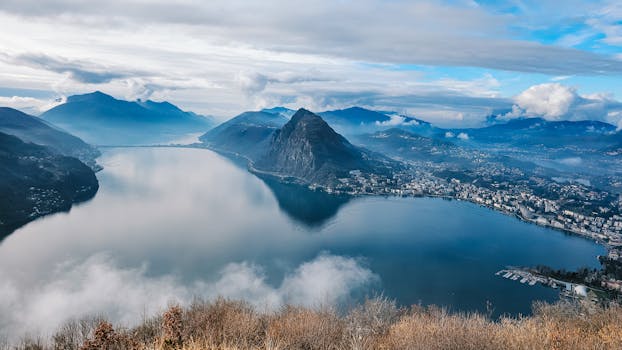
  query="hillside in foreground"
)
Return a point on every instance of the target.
[{"x": 376, "y": 324}]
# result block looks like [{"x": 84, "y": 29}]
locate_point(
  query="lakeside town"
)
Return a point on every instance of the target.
[
  {"x": 576, "y": 208},
  {"x": 603, "y": 226},
  {"x": 573, "y": 208}
]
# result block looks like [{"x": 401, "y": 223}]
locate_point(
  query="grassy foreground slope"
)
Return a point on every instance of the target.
[{"x": 376, "y": 324}]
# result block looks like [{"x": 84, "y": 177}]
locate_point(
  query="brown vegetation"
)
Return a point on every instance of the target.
[{"x": 376, "y": 324}]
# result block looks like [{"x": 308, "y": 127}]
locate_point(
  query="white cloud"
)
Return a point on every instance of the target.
[
  {"x": 550, "y": 101},
  {"x": 251, "y": 83},
  {"x": 553, "y": 101},
  {"x": 561, "y": 77},
  {"x": 423, "y": 32},
  {"x": 98, "y": 286},
  {"x": 449, "y": 134},
  {"x": 396, "y": 119},
  {"x": 572, "y": 161},
  {"x": 327, "y": 280},
  {"x": 139, "y": 89},
  {"x": 606, "y": 21},
  {"x": 30, "y": 104},
  {"x": 463, "y": 136},
  {"x": 224, "y": 57},
  {"x": 615, "y": 118}
]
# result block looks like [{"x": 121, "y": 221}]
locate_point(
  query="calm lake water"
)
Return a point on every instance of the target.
[{"x": 171, "y": 224}]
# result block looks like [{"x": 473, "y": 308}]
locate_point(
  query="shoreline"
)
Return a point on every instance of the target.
[{"x": 315, "y": 187}]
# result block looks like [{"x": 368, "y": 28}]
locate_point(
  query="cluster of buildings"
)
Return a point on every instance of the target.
[
  {"x": 45, "y": 201},
  {"x": 570, "y": 207}
]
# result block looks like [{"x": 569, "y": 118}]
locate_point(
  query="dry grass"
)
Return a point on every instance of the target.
[{"x": 376, "y": 324}]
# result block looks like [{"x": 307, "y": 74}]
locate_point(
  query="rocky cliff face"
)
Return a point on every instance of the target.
[{"x": 308, "y": 149}]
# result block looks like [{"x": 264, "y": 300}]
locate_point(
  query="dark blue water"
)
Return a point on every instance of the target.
[{"x": 180, "y": 223}]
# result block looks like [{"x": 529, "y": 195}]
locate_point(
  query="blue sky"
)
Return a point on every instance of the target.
[{"x": 449, "y": 62}]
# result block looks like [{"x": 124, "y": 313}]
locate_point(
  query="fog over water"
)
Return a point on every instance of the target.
[{"x": 171, "y": 224}]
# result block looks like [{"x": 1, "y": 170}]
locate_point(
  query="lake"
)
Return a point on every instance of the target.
[{"x": 172, "y": 224}]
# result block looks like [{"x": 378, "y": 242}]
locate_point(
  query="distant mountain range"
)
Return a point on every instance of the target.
[
  {"x": 357, "y": 120},
  {"x": 537, "y": 131},
  {"x": 304, "y": 148},
  {"x": 32, "y": 129},
  {"x": 104, "y": 120},
  {"x": 533, "y": 144},
  {"x": 247, "y": 134},
  {"x": 402, "y": 144},
  {"x": 521, "y": 132},
  {"x": 35, "y": 181},
  {"x": 286, "y": 112},
  {"x": 587, "y": 148}
]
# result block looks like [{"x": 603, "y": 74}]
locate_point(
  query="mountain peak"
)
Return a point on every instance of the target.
[
  {"x": 304, "y": 114},
  {"x": 279, "y": 110},
  {"x": 308, "y": 149},
  {"x": 91, "y": 96},
  {"x": 308, "y": 125}
]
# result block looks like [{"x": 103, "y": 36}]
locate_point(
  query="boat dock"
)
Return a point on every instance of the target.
[
  {"x": 524, "y": 277},
  {"x": 567, "y": 289}
]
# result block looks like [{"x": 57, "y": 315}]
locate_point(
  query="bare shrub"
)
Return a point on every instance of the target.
[
  {"x": 435, "y": 329},
  {"x": 106, "y": 338},
  {"x": 376, "y": 324},
  {"x": 367, "y": 322},
  {"x": 149, "y": 331},
  {"x": 172, "y": 328},
  {"x": 224, "y": 323},
  {"x": 30, "y": 343},
  {"x": 580, "y": 325},
  {"x": 300, "y": 328},
  {"x": 73, "y": 333}
]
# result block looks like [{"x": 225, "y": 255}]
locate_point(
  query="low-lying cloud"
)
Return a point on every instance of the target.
[
  {"x": 463, "y": 136},
  {"x": 396, "y": 120},
  {"x": 98, "y": 286}
]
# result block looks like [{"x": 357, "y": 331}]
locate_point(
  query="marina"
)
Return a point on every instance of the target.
[{"x": 567, "y": 289}]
